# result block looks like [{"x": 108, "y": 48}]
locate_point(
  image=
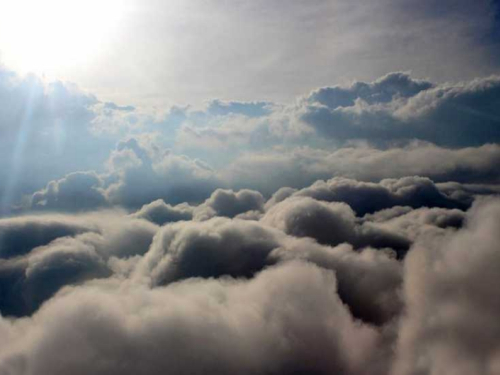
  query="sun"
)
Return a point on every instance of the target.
[{"x": 47, "y": 36}]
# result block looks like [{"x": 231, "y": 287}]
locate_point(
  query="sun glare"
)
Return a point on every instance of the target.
[{"x": 46, "y": 36}]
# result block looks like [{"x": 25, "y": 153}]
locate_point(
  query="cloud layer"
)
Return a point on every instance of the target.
[
  {"x": 257, "y": 295},
  {"x": 354, "y": 232}
]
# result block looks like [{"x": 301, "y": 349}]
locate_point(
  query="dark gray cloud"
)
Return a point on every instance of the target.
[
  {"x": 19, "y": 236},
  {"x": 329, "y": 223},
  {"x": 280, "y": 195},
  {"x": 385, "y": 89},
  {"x": 160, "y": 212},
  {"x": 41, "y": 254},
  {"x": 467, "y": 193},
  {"x": 415, "y": 223},
  {"x": 397, "y": 107},
  {"x": 27, "y": 282},
  {"x": 369, "y": 197},
  {"x": 228, "y": 203},
  {"x": 211, "y": 248}
]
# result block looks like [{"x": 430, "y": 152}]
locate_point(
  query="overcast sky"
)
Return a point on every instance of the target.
[{"x": 186, "y": 52}]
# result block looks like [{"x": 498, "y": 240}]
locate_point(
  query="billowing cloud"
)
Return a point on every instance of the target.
[
  {"x": 20, "y": 235},
  {"x": 160, "y": 212},
  {"x": 452, "y": 302},
  {"x": 368, "y": 197},
  {"x": 329, "y": 223},
  {"x": 369, "y": 281},
  {"x": 45, "y": 133},
  {"x": 76, "y": 191},
  {"x": 397, "y": 107},
  {"x": 287, "y": 319},
  {"x": 414, "y": 223},
  {"x": 264, "y": 293},
  {"x": 383, "y": 90},
  {"x": 40, "y": 254},
  {"x": 354, "y": 231},
  {"x": 212, "y": 248},
  {"x": 230, "y": 204}
]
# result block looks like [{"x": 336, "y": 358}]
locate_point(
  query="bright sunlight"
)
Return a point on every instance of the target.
[{"x": 53, "y": 35}]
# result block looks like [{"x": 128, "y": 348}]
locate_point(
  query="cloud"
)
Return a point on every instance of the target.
[
  {"x": 76, "y": 191},
  {"x": 301, "y": 273},
  {"x": 269, "y": 171},
  {"x": 452, "y": 304},
  {"x": 353, "y": 230},
  {"x": 211, "y": 248},
  {"x": 250, "y": 109},
  {"x": 369, "y": 197},
  {"x": 397, "y": 107},
  {"x": 149, "y": 174},
  {"x": 114, "y": 106},
  {"x": 392, "y": 86},
  {"x": 161, "y": 213},
  {"x": 137, "y": 174},
  {"x": 222, "y": 202},
  {"x": 19, "y": 235},
  {"x": 329, "y": 223},
  {"x": 228, "y": 203},
  {"x": 467, "y": 193},
  {"x": 394, "y": 108},
  {"x": 184, "y": 154},
  {"x": 45, "y": 133},
  {"x": 415, "y": 223},
  {"x": 369, "y": 280},
  {"x": 140, "y": 174},
  {"x": 41, "y": 254},
  {"x": 287, "y": 319}
]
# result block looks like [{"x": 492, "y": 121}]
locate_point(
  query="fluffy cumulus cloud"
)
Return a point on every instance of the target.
[
  {"x": 230, "y": 204},
  {"x": 306, "y": 286},
  {"x": 208, "y": 249},
  {"x": 329, "y": 223},
  {"x": 354, "y": 231},
  {"x": 139, "y": 173},
  {"x": 160, "y": 212},
  {"x": 75, "y": 191},
  {"x": 287, "y": 319},
  {"x": 395, "y": 126},
  {"x": 368, "y": 197},
  {"x": 41, "y": 254},
  {"x": 398, "y": 107},
  {"x": 45, "y": 133},
  {"x": 452, "y": 302}
]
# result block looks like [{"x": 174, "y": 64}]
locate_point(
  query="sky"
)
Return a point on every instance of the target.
[{"x": 254, "y": 187}]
